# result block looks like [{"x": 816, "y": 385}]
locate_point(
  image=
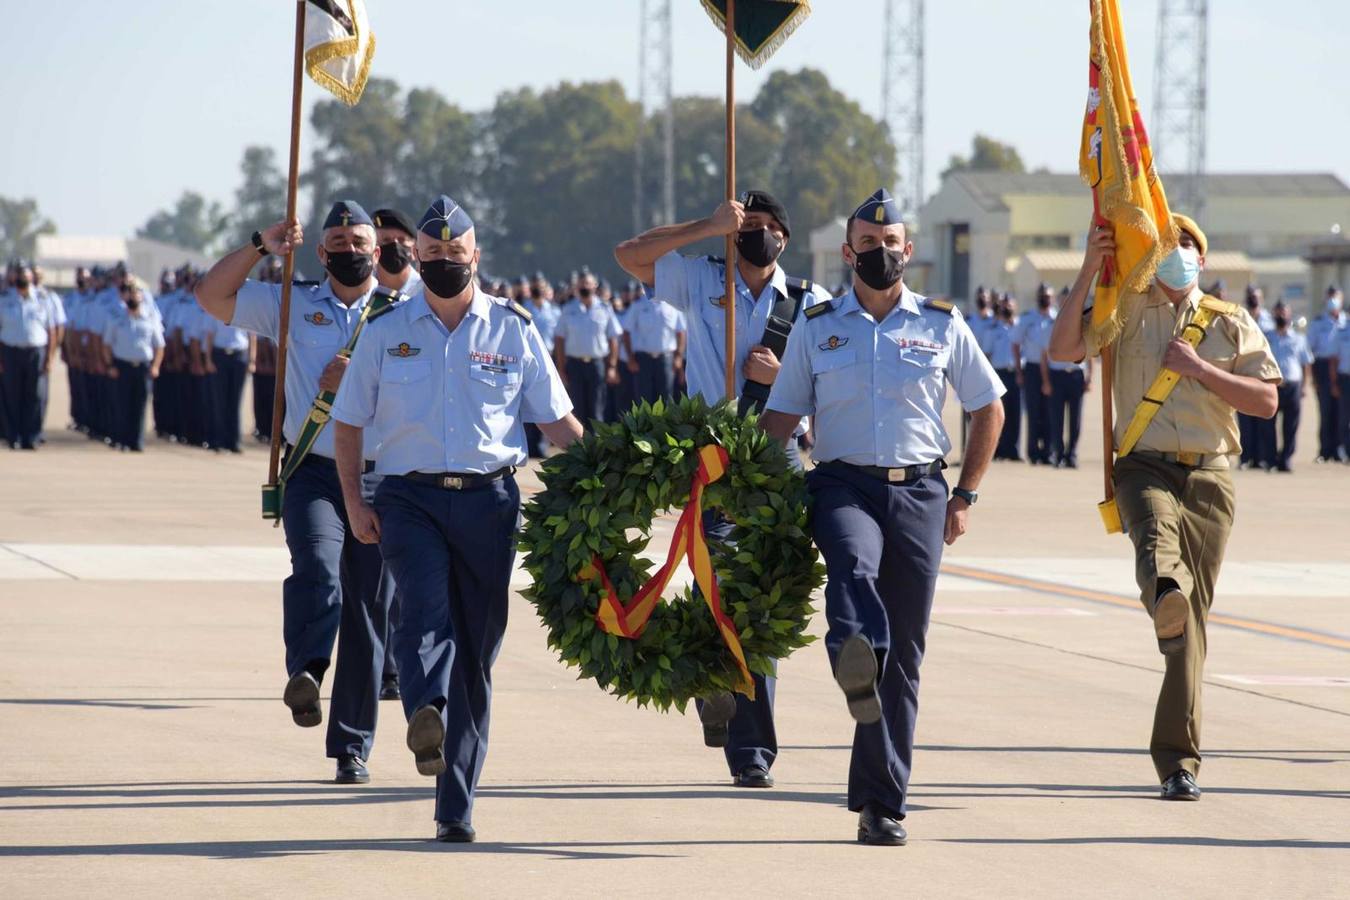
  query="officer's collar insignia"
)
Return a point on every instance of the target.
[
  {"x": 834, "y": 343},
  {"x": 318, "y": 318},
  {"x": 403, "y": 351}
]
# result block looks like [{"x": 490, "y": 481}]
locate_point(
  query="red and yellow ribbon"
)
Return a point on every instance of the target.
[{"x": 689, "y": 541}]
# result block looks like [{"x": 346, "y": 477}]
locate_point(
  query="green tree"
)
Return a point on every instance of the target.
[
  {"x": 827, "y": 154},
  {"x": 391, "y": 149},
  {"x": 260, "y": 198},
  {"x": 20, "y": 225},
  {"x": 194, "y": 223},
  {"x": 987, "y": 155},
  {"x": 559, "y": 172}
]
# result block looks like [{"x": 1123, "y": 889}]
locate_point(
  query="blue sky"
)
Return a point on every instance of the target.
[{"x": 128, "y": 103}]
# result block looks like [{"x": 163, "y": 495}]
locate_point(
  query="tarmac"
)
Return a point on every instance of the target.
[{"x": 150, "y": 754}]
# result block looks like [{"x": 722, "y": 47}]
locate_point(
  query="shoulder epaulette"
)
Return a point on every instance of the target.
[
  {"x": 721, "y": 261},
  {"x": 299, "y": 283},
  {"x": 940, "y": 305},
  {"x": 819, "y": 309},
  {"x": 516, "y": 307},
  {"x": 1222, "y": 307}
]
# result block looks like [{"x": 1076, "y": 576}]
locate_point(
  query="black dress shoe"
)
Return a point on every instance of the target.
[
  {"x": 389, "y": 690},
  {"x": 302, "y": 696},
  {"x": 1180, "y": 785},
  {"x": 350, "y": 770},
  {"x": 426, "y": 739},
  {"x": 455, "y": 833},
  {"x": 753, "y": 777},
  {"x": 855, "y": 670},
  {"x": 716, "y": 713},
  {"x": 879, "y": 828}
]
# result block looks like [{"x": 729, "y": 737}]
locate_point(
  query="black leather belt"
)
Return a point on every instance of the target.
[
  {"x": 654, "y": 355},
  {"x": 900, "y": 475},
  {"x": 367, "y": 466},
  {"x": 459, "y": 481}
]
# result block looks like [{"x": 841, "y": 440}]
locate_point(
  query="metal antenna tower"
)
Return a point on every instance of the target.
[
  {"x": 655, "y": 97},
  {"x": 1180, "y": 98},
  {"x": 902, "y": 97}
]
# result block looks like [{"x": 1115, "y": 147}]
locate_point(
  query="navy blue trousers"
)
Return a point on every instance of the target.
[
  {"x": 655, "y": 377},
  {"x": 586, "y": 388},
  {"x": 882, "y": 545},
  {"x": 1328, "y": 439},
  {"x": 752, "y": 739},
  {"x": 1066, "y": 410},
  {"x": 23, "y": 400},
  {"x": 133, "y": 389},
  {"x": 263, "y": 387},
  {"x": 1037, "y": 406},
  {"x": 227, "y": 392},
  {"x": 335, "y": 593},
  {"x": 1012, "y": 416},
  {"x": 451, "y": 553}
]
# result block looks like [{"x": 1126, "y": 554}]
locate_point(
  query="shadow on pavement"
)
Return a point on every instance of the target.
[{"x": 1177, "y": 840}]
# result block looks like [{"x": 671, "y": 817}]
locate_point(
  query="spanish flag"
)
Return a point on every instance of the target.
[
  {"x": 339, "y": 47},
  {"x": 1116, "y": 161}
]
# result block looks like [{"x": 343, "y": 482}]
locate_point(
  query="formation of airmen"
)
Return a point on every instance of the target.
[{"x": 401, "y": 517}]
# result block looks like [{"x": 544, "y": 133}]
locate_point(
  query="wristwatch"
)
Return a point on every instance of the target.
[
  {"x": 969, "y": 496},
  {"x": 259, "y": 245}
]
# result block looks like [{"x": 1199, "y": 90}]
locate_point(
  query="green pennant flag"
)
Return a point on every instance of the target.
[{"x": 761, "y": 25}]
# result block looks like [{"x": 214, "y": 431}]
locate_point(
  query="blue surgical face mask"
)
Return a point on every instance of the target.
[{"x": 1180, "y": 268}]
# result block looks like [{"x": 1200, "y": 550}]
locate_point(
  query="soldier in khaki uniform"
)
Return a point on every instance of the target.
[{"x": 1175, "y": 488}]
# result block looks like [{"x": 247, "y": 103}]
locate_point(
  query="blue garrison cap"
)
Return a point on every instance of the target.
[
  {"x": 879, "y": 209},
  {"x": 345, "y": 213},
  {"x": 445, "y": 220}
]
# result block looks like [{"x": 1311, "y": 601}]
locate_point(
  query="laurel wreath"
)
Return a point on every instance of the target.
[{"x": 600, "y": 497}]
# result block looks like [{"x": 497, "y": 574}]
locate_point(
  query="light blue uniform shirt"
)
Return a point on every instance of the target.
[
  {"x": 222, "y": 336},
  {"x": 877, "y": 389},
  {"x": 320, "y": 326},
  {"x": 983, "y": 329},
  {"x": 450, "y": 401},
  {"x": 1291, "y": 354},
  {"x": 1032, "y": 335},
  {"x": 586, "y": 330},
  {"x": 1343, "y": 350},
  {"x": 545, "y": 315},
  {"x": 653, "y": 326},
  {"x": 53, "y": 301},
  {"x": 134, "y": 338},
  {"x": 1000, "y": 342},
  {"x": 25, "y": 322},
  {"x": 696, "y": 285},
  {"x": 1264, "y": 320},
  {"x": 1322, "y": 333}
]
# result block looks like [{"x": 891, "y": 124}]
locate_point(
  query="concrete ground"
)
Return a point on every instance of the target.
[{"x": 150, "y": 754}]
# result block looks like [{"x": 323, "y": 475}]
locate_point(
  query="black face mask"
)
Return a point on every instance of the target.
[
  {"x": 879, "y": 268},
  {"x": 585, "y": 293},
  {"x": 22, "y": 283},
  {"x": 1281, "y": 321},
  {"x": 445, "y": 278},
  {"x": 1043, "y": 304},
  {"x": 349, "y": 268},
  {"x": 394, "y": 257},
  {"x": 759, "y": 247},
  {"x": 133, "y": 305}
]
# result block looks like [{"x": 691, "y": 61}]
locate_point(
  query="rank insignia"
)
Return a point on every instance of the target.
[
  {"x": 834, "y": 343},
  {"x": 403, "y": 351},
  {"x": 318, "y": 318}
]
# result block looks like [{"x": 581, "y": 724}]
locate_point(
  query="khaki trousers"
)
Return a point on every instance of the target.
[{"x": 1179, "y": 520}]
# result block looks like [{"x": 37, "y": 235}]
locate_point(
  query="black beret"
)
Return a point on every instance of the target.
[{"x": 763, "y": 201}]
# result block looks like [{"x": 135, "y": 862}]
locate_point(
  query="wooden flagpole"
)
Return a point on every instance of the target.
[
  {"x": 730, "y": 296},
  {"x": 288, "y": 264}
]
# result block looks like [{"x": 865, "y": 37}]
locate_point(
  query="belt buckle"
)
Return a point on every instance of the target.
[
  {"x": 1188, "y": 459},
  {"x": 895, "y": 475},
  {"x": 452, "y": 483}
]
